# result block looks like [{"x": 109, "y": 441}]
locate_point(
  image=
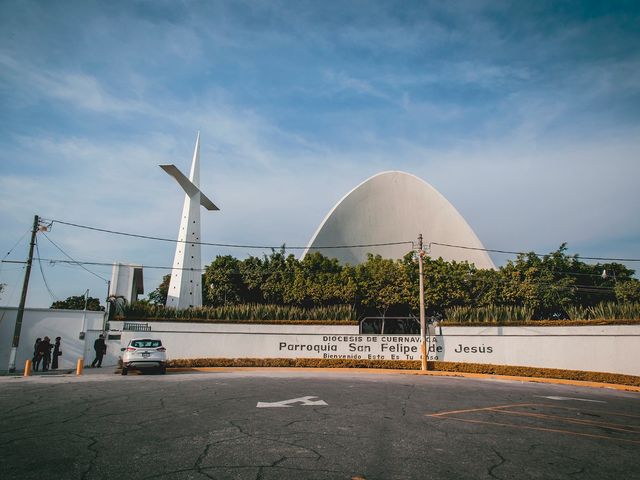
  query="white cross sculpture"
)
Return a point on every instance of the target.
[{"x": 185, "y": 288}]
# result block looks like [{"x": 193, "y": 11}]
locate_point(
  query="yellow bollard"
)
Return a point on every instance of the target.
[
  {"x": 27, "y": 369},
  {"x": 79, "y": 366},
  {"x": 423, "y": 351}
]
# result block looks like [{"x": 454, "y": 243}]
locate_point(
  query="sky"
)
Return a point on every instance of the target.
[{"x": 524, "y": 115}]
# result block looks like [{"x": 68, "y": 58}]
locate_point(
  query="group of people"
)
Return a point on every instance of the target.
[{"x": 42, "y": 354}]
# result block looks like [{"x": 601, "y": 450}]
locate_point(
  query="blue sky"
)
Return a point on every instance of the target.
[{"x": 525, "y": 115}]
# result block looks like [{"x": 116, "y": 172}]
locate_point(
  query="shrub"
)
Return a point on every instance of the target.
[
  {"x": 245, "y": 312},
  {"x": 490, "y": 314}
]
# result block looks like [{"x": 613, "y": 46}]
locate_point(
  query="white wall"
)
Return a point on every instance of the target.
[
  {"x": 614, "y": 349},
  {"x": 41, "y": 322}
]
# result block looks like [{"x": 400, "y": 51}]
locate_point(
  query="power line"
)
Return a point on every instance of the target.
[
  {"x": 508, "y": 252},
  {"x": 364, "y": 245},
  {"x": 16, "y": 244},
  {"x": 74, "y": 261},
  {"x": 12, "y": 248},
  {"x": 44, "y": 279},
  {"x": 229, "y": 245},
  {"x": 580, "y": 287}
]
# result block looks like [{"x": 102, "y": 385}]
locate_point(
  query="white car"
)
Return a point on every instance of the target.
[{"x": 144, "y": 354}]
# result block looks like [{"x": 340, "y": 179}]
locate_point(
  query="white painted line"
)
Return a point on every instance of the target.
[
  {"x": 572, "y": 398},
  {"x": 304, "y": 401}
]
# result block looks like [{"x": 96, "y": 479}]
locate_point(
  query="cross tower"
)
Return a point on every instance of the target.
[{"x": 185, "y": 288}]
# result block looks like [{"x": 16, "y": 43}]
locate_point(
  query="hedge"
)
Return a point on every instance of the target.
[{"x": 600, "y": 377}]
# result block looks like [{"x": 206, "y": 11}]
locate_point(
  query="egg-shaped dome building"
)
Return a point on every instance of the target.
[{"x": 394, "y": 207}]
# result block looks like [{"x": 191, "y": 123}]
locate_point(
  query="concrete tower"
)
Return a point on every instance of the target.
[{"x": 185, "y": 289}]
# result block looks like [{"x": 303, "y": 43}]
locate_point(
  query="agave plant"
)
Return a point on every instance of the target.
[
  {"x": 615, "y": 311},
  {"x": 490, "y": 314},
  {"x": 244, "y": 312}
]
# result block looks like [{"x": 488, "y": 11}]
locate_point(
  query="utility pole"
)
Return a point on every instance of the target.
[
  {"x": 423, "y": 324},
  {"x": 23, "y": 299}
]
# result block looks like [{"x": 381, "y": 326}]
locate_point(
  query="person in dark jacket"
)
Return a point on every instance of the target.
[
  {"x": 37, "y": 358},
  {"x": 101, "y": 348},
  {"x": 45, "y": 351},
  {"x": 56, "y": 353}
]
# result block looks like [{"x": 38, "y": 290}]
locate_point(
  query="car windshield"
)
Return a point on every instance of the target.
[{"x": 146, "y": 343}]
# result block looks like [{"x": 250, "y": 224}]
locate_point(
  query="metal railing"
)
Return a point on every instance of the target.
[
  {"x": 390, "y": 325},
  {"x": 136, "y": 327}
]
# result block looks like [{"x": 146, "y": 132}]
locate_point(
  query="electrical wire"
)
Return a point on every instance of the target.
[
  {"x": 16, "y": 244},
  {"x": 580, "y": 287},
  {"x": 229, "y": 245},
  {"x": 74, "y": 261},
  {"x": 365, "y": 245},
  {"x": 44, "y": 279},
  {"x": 508, "y": 252},
  {"x": 12, "y": 248}
]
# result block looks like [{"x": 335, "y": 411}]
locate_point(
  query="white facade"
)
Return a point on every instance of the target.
[
  {"x": 185, "y": 287},
  {"x": 67, "y": 324},
  {"x": 598, "y": 348},
  {"x": 126, "y": 282},
  {"x": 609, "y": 348},
  {"x": 395, "y": 207}
]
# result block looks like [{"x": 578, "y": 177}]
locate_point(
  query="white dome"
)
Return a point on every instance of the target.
[{"x": 395, "y": 207}]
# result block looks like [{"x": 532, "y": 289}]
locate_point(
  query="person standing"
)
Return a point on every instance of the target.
[
  {"x": 101, "y": 348},
  {"x": 56, "y": 353},
  {"x": 45, "y": 352},
  {"x": 37, "y": 358}
]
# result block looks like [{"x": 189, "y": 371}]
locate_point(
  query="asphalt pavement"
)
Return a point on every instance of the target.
[{"x": 312, "y": 425}]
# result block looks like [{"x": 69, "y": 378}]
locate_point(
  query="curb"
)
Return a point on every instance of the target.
[{"x": 556, "y": 381}]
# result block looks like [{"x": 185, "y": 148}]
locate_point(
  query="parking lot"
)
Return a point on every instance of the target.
[{"x": 291, "y": 424}]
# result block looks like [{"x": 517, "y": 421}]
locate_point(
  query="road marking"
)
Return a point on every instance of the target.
[
  {"x": 304, "y": 401},
  {"x": 579, "y": 421},
  {"x": 554, "y": 430},
  {"x": 572, "y": 398},
  {"x": 480, "y": 409}
]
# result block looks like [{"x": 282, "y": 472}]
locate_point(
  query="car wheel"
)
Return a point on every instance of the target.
[
  {"x": 163, "y": 370},
  {"x": 124, "y": 371}
]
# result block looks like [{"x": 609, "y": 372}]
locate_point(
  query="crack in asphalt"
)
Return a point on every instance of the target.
[
  {"x": 493, "y": 467},
  {"x": 93, "y": 458},
  {"x": 412, "y": 389}
]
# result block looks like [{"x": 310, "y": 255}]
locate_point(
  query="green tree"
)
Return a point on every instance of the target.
[
  {"x": 159, "y": 295},
  {"x": 542, "y": 284},
  {"x": 316, "y": 281},
  {"x": 383, "y": 284},
  {"x": 222, "y": 282},
  {"x": 77, "y": 303},
  {"x": 278, "y": 273},
  {"x": 628, "y": 291},
  {"x": 252, "y": 274}
]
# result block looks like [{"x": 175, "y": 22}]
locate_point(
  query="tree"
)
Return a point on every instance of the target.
[
  {"x": 383, "y": 284},
  {"x": 159, "y": 295},
  {"x": 278, "y": 274},
  {"x": 77, "y": 303},
  {"x": 222, "y": 282},
  {"x": 2, "y": 285},
  {"x": 316, "y": 281},
  {"x": 628, "y": 291}
]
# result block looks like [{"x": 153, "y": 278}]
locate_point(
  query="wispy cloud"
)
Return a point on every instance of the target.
[{"x": 525, "y": 117}]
